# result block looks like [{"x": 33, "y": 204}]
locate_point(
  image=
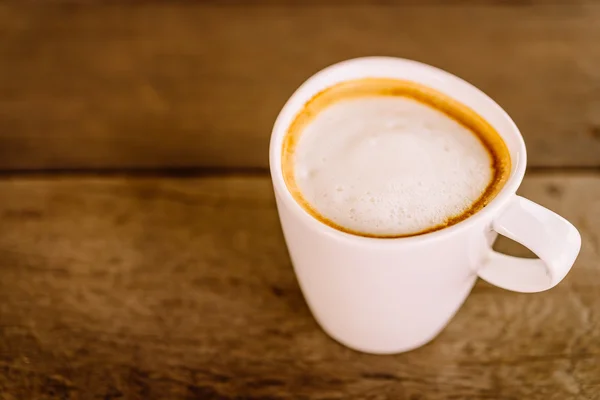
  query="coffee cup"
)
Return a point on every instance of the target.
[{"x": 392, "y": 294}]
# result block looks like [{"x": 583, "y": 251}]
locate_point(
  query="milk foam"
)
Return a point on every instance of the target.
[{"x": 385, "y": 165}]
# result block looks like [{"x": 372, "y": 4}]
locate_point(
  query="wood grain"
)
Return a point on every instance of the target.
[
  {"x": 139, "y": 288},
  {"x": 186, "y": 84}
]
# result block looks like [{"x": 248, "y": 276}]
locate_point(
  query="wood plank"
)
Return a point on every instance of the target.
[
  {"x": 190, "y": 85},
  {"x": 182, "y": 288}
]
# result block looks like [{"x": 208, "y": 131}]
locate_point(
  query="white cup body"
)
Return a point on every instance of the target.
[{"x": 389, "y": 295}]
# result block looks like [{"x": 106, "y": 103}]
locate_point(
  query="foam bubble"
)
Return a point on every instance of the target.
[{"x": 389, "y": 165}]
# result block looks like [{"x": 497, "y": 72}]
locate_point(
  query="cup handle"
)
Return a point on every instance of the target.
[{"x": 551, "y": 237}]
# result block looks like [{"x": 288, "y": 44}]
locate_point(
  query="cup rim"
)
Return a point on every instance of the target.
[{"x": 518, "y": 157}]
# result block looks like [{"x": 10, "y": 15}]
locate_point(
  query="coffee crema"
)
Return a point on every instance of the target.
[{"x": 388, "y": 158}]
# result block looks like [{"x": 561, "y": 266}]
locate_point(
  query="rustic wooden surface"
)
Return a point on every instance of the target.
[
  {"x": 131, "y": 287},
  {"x": 192, "y": 84},
  {"x": 181, "y": 288}
]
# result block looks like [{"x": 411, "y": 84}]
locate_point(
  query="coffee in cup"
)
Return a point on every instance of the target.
[{"x": 389, "y": 158}]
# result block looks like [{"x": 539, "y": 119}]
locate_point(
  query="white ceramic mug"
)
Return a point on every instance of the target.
[{"x": 393, "y": 295}]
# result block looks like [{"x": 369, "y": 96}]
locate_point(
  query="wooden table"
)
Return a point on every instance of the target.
[{"x": 119, "y": 282}]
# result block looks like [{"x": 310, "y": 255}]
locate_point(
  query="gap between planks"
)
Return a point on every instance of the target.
[{"x": 199, "y": 172}]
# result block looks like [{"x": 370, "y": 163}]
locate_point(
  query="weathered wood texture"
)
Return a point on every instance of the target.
[
  {"x": 182, "y": 84},
  {"x": 182, "y": 289}
]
